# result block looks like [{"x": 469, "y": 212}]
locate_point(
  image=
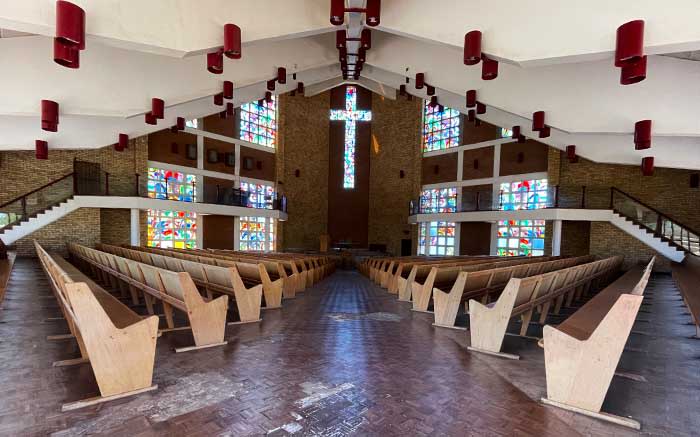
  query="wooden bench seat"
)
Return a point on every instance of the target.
[
  {"x": 687, "y": 277},
  {"x": 5, "y": 270},
  {"x": 582, "y": 353},
  {"x": 175, "y": 290},
  {"x": 523, "y": 296},
  {"x": 104, "y": 328},
  {"x": 405, "y": 270}
]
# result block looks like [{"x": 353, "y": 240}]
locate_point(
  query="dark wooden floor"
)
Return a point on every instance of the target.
[{"x": 343, "y": 358}]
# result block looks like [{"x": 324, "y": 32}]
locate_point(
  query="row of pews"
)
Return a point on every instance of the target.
[
  {"x": 201, "y": 285},
  {"x": 581, "y": 353}
]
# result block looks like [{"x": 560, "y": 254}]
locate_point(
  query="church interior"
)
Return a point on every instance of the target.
[{"x": 349, "y": 217}]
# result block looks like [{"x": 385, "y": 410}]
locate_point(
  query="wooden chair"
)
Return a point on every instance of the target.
[
  {"x": 582, "y": 353},
  {"x": 119, "y": 344},
  {"x": 175, "y": 290},
  {"x": 522, "y": 296}
]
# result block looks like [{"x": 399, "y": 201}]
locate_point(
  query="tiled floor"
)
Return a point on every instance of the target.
[{"x": 343, "y": 358}]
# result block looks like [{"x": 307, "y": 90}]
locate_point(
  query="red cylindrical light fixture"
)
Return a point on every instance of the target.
[
  {"x": 516, "y": 132},
  {"x": 232, "y": 41},
  {"x": 158, "y": 108},
  {"x": 430, "y": 90},
  {"x": 433, "y": 101},
  {"x": 489, "y": 69},
  {"x": 271, "y": 84},
  {"x": 440, "y": 108},
  {"x": 229, "y": 109},
  {"x": 642, "y": 134},
  {"x": 372, "y": 13},
  {"x": 149, "y": 118},
  {"x": 420, "y": 80},
  {"x": 343, "y": 55},
  {"x": 366, "y": 39},
  {"x": 180, "y": 123},
  {"x": 472, "y": 47},
  {"x": 648, "y": 166},
  {"x": 268, "y": 97},
  {"x": 480, "y": 108},
  {"x": 41, "y": 149},
  {"x": 215, "y": 62},
  {"x": 571, "y": 153},
  {"x": 340, "y": 39},
  {"x": 361, "y": 55},
  {"x": 471, "y": 98},
  {"x": 281, "y": 75},
  {"x": 70, "y": 25},
  {"x": 634, "y": 73},
  {"x": 402, "y": 90},
  {"x": 228, "y": 89},
  {"x": 49, "y": 115},
  {"x": 219, "y": 99},
  {"x": 544, "y": 132},
  {"x": 471, "y": 115},
  {"x": 337, "y": 12},
  {"x": 522, "y": 139},
  {"x": 118, "y": 147},
  {"x": 300, "y": 87},
  {"x": 68, "y": 56},
  {"x": 538, "y": 120},
  {"x": 629, "y": 47},
  {"x": 123, "y": 141}
]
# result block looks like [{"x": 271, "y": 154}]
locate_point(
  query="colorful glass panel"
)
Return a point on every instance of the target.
[
  {"x": 256, "y": 234},
  {"x": 530, "y": 194},
  {"x": 436, "y": 238},
  {"x": 259, "y": 122},
  {"x": 440, "y": 128},
  {"x": 521, "y": 237},
  {"x": 172, "y": 229},
  {"x": 351, "y": 115},
  {"x": 259, "y": 195},
  {"x": 171, "y": 185},
  {"x": 438, "y": 200}
]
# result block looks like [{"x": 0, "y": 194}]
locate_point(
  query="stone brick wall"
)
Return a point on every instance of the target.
[
  {"x": 81, "y": 226},
  {"x": 115, "y": 226},
  {"x": 396, "y": 146},
  {"x": 303, "y": 146},
  {"x": 607, "y": 240}
]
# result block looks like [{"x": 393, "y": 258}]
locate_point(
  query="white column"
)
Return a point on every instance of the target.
[
  {"x": 135, "y": 235},
  {"x": 496, "y": 190},
  {"x": 556, "y": 238},
  {"x": 199, "y": 235},
  {"x": 200, "y": 152}
]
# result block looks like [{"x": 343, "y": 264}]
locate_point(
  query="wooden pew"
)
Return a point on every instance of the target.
[
  {"x": 397, "y": 281},
  {"x": 175, "y": 290},
  {"x": 482, "y": 282},
  {"x": 687, "y": 277},
  {"x": 5, "y": 270},
  {"x": 261, "y": 272},
  {"x": 119, "y": 344},
  {"x": 582, "y": 353},
  {"x": 522, "y": 296},
  {"x": 318, "y": 266}
]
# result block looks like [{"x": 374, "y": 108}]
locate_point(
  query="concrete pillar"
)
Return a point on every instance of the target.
[
  {"x": 135, "y": 237},
  {"x": 556, "y": 238}
]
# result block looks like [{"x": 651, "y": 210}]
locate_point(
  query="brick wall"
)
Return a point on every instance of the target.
[
  {"x": 396, "y": 146},
  {"x": 303, "y": 146},
  {"x": 81, "y": 226},
  {"x": 608, "y": 240},
  {"x": 115, "y": 226}
]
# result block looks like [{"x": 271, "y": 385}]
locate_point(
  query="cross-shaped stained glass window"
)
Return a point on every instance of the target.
[{"x": 350, "y": 115}]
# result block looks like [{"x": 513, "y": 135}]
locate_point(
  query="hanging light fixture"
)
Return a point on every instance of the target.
[
  {"x": 372, "y": 13},
  {"x": 648, "y": 166},
  {"x": 66, "y": 55},
  {"x": 228, "y": 89},
  {"x": 402, "y": 90},
  {"x": 232, "y": 41},
  {"x": 629, "y": 46},
  {"x": 420, "y": 80},
  {"x": 282, "y": 75},
  {"x": 180, "y": 123},
  {"x": 544, "y": 132},
  {"x": 433, "y": 101},
  {"x": 471, "y": 98},
  {"x": 571, "y": 154},
  {"x": 123, "y": 141},
  {"x": 215, "y": 62},
  {"x": 634, "y": 73},
  {"x": 271, "y": 85},
  {"x": 337, "y": 12},
  {"x": 538, "y": 120},
  {"x": 480, "y": 108},
  {"x": 516, "y": 132},
  {"x": 49, "y": 115},
  {"x": 489, "y": 68},
  {"x": 219, "y": 99},
  {"x": 300, "y": 88},
  {"x": 158, "y": 108},
  {"x": 70, "y": 34},
  {"x": 642, "y": 134},
  {"x": 41, "y": 149},
  {"x": 430, "y": 90},
  {"x": 471, "y": 115},
  {"x": 229, "y": 109},
  {"x": 150, "y": 118},
  {"x": 268, "y": 97},
  {"x": 366, "y": 39},
  {"x": 340, "y": 39},
  {"x": 472, "y": 47}
]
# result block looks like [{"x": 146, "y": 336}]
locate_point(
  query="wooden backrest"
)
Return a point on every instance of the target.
[
  {"x": 171, "y": 284},
  {"x": 173, "y": 264},
  {"x": 150, "y": 276},
  {"x": 159, "y": 261},
  {"x": 195, "y": 269},
  {"x": 218, "y": 276}
]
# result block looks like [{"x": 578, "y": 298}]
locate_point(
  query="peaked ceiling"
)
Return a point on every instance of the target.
[{"x": 555, "y": 57}]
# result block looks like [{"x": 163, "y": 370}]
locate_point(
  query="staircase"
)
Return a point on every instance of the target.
[
  {"x": 26, "y": 226},
  {"x": 654, "y": 228}
]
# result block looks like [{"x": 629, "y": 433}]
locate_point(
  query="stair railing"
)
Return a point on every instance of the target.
[
  {"x": 661, "y": 225},
  {"x": 21, "y": 208}
]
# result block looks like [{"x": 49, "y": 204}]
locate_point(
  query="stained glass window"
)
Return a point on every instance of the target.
[
  {"x": 506, "y": 133},
  {"x": 192, "y": 123},
  {"x": 259, "y": 122},
  {"x": 259, "y": 195},
  {"x": 351, "y": 115},
  {"x": 171, "y": 185},
  {"x": 257, "y": 233},
  {"x": 530, "y": 194},
  {"x": 436, "y": 238},
  {"x": 169, "y": 229},
  {"x": 440, "y": 128},
  {"x": 438, "y": 200},
  {"x": 521, "y": 237}
]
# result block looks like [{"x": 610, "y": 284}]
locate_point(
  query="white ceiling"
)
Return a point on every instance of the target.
[{"x": 555, "y": 56}]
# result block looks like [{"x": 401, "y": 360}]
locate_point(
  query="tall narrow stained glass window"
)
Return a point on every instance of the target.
[
  {"x": 440, "y": 128},
  {"x": 171, "y": 185},
  {"x": 522, "y": 237},
  {"x": 259, "y": 195},
  {"x": 257, "y": 234},
  {"x": 438, "y": 200},
  {"x": 350, "y": 115},
  {"x": 259, "y": 122},
  {"x": 172, "y": 229}
]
